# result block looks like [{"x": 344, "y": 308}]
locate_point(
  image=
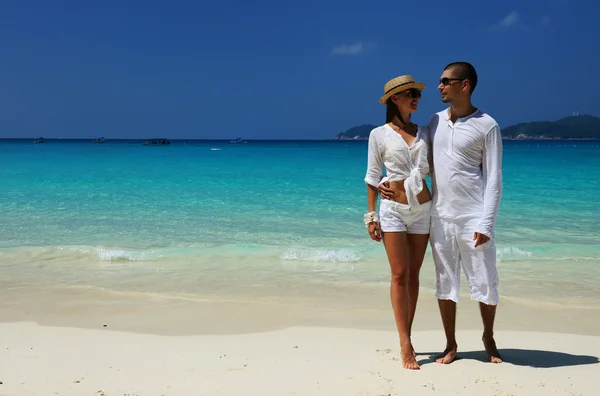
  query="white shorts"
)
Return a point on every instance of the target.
[
  {"x": 398, "y": 217},
  {"x": 452, "y": 246}
]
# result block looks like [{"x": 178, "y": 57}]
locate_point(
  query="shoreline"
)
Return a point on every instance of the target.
[{"x": 366, "y": 309}]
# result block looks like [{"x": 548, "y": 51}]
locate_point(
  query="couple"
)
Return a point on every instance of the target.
[{"x": 461, "y": 150}]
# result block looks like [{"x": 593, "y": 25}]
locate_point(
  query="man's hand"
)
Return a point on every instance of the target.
[
  {"x": 375, "y": 231},
  {"x": 480, "y": 238},
  {"x": 385, "y": 191}
]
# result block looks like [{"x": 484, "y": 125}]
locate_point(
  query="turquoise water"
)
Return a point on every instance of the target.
[{"x": 124, "y": 216}]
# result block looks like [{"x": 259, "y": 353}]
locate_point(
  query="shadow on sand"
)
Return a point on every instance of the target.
[{"x": 524, "y": 357}]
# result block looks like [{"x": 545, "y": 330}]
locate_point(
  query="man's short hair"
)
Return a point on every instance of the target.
[{"x": 464, "y": 70}]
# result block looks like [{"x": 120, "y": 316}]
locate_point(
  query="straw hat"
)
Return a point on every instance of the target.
[{"x": 399, "y": 84}]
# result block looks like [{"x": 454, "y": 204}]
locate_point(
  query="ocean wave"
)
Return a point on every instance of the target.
[
  {"x": 512, "y": 253},
  {"x": 326, "y": 255},
  {"x": 204, "y": 253},
  {"x": 564, "y": 252},
  {"x": 210, "y": 253},
  {"x": 116, "y": 254},
  {"x": 77, "y": 253}
]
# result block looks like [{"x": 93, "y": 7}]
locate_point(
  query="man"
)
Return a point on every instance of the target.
[{"x": 467, "y": 188}]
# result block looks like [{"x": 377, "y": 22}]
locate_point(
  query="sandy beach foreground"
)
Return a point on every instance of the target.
[
  {"x": 82, "y": 341},
  {"x": 37, "y": 360}
]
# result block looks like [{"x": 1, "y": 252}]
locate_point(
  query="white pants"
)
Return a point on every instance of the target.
[
  {"x": 452, "y": 246},
  {"x": 399, "y": 217}
]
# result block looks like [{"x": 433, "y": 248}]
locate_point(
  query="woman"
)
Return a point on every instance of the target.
[{"x": 403, "y": 222}]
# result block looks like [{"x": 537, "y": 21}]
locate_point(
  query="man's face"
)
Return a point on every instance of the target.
[{"x": 450, "y": 86}]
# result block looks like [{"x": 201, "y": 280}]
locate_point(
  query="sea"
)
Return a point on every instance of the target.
[{"x": 216, "y": 219}]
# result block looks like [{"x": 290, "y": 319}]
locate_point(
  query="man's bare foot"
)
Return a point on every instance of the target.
[
  {"x": 448, "y": 355},
  {"x": 409, "y": 360},
  {"x": 492, "y": 352}
]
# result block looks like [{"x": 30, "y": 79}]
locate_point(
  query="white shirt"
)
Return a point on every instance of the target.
[
  {"x": 467, "y": 168},
  {"x": 402, "y": 162}
]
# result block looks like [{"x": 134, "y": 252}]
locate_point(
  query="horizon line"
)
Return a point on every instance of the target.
[{"x": 170, "y": 139}]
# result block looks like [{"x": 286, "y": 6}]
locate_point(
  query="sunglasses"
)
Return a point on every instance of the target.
[
  {"x": 412, "y": 93},
  {"x": 447, "y": 81}
]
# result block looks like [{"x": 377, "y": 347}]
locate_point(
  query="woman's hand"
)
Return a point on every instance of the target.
[
  {"x": 385, "y": 191},
  {"x": 375, "y": 231}
]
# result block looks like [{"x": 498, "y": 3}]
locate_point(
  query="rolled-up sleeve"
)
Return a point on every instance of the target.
[
  {"x": 492, "y": 176},
  {"x": 427, "y": 138},
  {"x": 374, "y": 161}
]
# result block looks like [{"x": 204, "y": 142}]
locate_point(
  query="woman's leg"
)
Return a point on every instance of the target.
[
  {"x": 417, "y": 245},
  {"x": 396, "y": 246}
]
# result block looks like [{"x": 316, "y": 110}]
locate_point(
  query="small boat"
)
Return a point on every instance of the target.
[
  {"x": 39, "y": 139},
  {"x": 99, "y": 139},
  {"x": 156, "y": 142},
  {"x": 238, "y": 140}
]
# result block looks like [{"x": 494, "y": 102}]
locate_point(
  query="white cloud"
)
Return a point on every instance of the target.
[
  {"x": 508, "y": 20},
  {"x": 348, "y": 49},
  {"x": 545, "y": 20}
]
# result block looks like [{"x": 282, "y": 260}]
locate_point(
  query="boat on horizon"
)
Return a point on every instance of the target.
[
  {"x": 39, "y": 139},
  {"x": 157, "y": 142},
  {"x": 238, "y": 140},
  {"x": 99, "y": 139}
]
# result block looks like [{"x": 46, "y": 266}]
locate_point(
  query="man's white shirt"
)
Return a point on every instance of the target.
[{"x": 467, "y": 168}]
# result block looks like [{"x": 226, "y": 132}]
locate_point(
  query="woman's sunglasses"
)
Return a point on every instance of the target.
[{"x": 412, "y": 93}]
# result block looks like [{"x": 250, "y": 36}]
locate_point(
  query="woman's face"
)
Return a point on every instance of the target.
[{"x": 407, "y": 101}]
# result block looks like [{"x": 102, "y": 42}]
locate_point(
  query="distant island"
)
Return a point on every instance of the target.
[
  {"x": 577, "y": 127},
  {"x": 580, "y": 127}
]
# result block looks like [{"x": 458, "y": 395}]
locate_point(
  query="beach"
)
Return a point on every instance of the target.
[
  {"x": 294, "y": 361},
  {"x": 187, "y": 270},
  {"x": 74, "y": 341}
]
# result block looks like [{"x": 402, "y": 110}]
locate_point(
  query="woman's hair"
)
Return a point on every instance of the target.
[{"x": 392, "y": 111}]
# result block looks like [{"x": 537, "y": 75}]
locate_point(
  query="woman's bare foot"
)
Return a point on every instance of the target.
[
  {"x": 491, "y": 350},
  {"x": 448, "y": 355},
  {"x": 409, "y": 359}
]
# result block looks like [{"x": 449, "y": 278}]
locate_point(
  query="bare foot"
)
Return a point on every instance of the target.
[
  {"x": 491, "y": 350},
  {"x": 448, "y": 355},
  {"x": 409, "y": 360}
]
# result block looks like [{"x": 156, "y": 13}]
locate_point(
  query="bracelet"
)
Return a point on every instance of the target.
[{"x": 370, "y": 217}]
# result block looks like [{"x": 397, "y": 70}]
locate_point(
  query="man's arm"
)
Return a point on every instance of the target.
[{"x": 492, "y": 178}]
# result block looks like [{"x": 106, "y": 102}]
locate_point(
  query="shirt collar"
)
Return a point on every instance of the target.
[{"x": 447, "y": 114}]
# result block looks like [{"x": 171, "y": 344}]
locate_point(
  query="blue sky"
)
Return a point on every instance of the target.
[{"x": 275, "y": 69}]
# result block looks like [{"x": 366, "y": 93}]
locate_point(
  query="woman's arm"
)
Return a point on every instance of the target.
[
  {"x": 372, "y": 178},
  {"x": 371, "y": 219},
  {"x": 374, "y": 161},
  {"x": 372, "y": 193}
]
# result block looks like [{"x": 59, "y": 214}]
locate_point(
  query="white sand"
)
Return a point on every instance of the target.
[{"x": 38, "y": 360}]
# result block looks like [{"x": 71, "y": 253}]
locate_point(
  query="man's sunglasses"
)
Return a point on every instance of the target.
[
  {"x": 447, "y": 81},
  {"x": 412, "y": 93}
]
